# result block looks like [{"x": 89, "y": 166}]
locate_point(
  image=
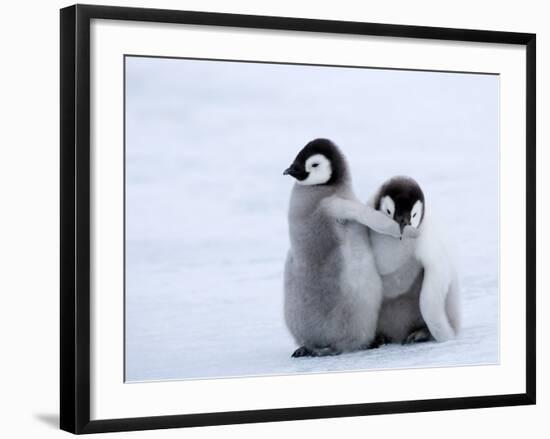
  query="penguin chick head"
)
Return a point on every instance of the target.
[
  {"x": 402, "y": 199},
  {"x": 319, "y": 162}
]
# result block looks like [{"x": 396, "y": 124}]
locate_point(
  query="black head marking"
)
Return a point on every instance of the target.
[
  {"x": 405, "y": 192},
  {"x": 327, "y": 148}
]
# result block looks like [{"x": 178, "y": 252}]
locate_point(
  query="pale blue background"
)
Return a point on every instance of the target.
[{"x": 206, "y": 204}]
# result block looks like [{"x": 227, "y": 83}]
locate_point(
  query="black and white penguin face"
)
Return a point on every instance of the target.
[
  {"x": 402, "y": 199},
  {"x": 319, "y": 162},
  {"x": 318, "y": 169}
]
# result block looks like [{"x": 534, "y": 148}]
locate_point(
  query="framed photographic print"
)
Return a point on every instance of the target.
[{"x": 274, "y": 218}]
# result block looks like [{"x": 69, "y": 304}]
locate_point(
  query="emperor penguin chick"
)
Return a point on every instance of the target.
[
  {"x": 420, "y": 286},
  {"x": 332, "y": 288}
]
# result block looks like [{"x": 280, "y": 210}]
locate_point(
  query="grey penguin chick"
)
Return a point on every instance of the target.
[
  {"x": 332, "y": 288},
  {"x": 420, "y": 287}
]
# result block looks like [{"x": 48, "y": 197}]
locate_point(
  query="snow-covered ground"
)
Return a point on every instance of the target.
[{"x": 206, "y": 204}]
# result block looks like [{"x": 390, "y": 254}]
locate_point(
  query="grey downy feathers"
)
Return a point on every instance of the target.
[{"x": 333, "y": 291}]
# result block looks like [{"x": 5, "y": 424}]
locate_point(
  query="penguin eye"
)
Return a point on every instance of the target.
[
  {"x": 388, "y": 210},
  {"x": 414, "y": 214},
  {"x": 314, "y": 165}
]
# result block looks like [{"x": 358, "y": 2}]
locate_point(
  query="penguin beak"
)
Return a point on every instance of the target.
[
  {"x": 295, "y": 171},
  {"x": 402, "y": 225},
  {"x": 403, "y": 222}
]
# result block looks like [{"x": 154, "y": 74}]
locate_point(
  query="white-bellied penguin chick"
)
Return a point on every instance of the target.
[{"x": 420, "y": 285}]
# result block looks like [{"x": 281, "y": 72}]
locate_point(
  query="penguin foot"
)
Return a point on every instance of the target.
[
  {"x": 418, "y": 336},
  {"x": 315, "y": 352},
  {"x": 302, "y": 352},
  {"x": 379, "y": 340}
]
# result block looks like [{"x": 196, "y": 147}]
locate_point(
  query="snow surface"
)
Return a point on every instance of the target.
[{"x": 206, "y": 204}]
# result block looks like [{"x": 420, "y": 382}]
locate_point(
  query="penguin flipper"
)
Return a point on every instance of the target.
[
  {"x": 439, "y": 280},
  {"x": 344, "y": 209}
]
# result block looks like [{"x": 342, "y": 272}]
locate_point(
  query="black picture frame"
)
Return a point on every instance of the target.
[{"x": 75, "y": 217}]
